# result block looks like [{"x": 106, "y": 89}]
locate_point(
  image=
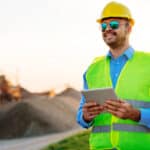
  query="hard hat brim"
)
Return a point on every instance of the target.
[{"x": 131, "y": 20}]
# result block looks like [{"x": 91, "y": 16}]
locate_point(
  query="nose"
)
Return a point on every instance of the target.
[{"x": 108, "y": 27}]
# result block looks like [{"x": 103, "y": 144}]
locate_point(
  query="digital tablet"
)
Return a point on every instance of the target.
[{"x": 99, "y": 95}]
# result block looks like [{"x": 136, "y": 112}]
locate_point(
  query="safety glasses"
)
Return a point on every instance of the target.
[{"x": 113, "y": 24}]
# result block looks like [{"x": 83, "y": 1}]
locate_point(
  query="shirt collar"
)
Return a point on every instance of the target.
[{"x": 128, "y": 53}]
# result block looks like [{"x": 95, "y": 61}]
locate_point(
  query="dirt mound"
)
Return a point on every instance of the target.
[
  {"x": 71, "y": 93},
  {"x": 25, "y": 93},
  {"x": 38, "y": 115},
  {"x": 21, "y": 121}
]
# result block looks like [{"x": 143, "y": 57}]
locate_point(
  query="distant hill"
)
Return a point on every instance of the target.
[
  {"x": 25, "y": 93},
  {"x": 70, "y": 92},
  {"x": 37, "y": 115}
]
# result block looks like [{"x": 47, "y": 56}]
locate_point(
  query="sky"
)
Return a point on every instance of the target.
[{"x": 48, "y": 44}]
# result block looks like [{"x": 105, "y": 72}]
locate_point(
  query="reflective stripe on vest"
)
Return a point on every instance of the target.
[
  {"x": 121, "y": 127},
  {"x": 101, "y": 129},
  {"x": 138, "y": 104}
]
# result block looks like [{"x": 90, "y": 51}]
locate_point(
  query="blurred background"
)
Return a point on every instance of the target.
[
  {"x": 45, "y": 47},
  {"x": 49, "y": 43}
]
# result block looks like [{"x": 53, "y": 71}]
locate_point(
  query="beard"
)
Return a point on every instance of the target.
[{"x": 113, "y": 39}]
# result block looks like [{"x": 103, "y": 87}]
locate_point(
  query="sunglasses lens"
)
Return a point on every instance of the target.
[
  {"x": 114, "y": 24},
  {"x": 103, "y": 26}
]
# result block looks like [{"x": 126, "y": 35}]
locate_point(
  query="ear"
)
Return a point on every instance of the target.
[
  {"x": 129, "y": 28},
  {"x": 100, "y": 28}
]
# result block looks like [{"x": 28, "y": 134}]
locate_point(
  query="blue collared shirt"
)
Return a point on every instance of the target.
[{"x": 116, "y": 65}]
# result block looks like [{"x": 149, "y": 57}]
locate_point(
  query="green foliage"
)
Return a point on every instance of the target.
[{"x": 79, "y": 141}]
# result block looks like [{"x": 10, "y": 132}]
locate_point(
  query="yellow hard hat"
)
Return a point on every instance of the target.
[{"x": 116, "y": 10}]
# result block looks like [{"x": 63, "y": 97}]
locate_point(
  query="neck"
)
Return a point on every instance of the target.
[{"x": 117, "y": 51}]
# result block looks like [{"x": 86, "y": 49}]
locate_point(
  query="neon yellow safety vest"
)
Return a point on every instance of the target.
[{"x": 133, "y": 85}]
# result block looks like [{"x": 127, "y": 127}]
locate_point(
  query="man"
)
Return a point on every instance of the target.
[{"x": 125, "y": 123}]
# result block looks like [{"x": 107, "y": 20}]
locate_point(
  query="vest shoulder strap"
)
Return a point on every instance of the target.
[{"x": 97, "y": 59}]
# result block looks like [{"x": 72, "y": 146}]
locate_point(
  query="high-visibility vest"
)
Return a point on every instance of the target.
[{"x": 133, "y": 85}]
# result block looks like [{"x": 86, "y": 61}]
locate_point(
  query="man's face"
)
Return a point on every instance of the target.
[{"x": 115, "y": 31}]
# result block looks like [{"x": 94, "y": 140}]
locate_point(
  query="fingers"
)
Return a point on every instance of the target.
[
  {"x": 114, "y": 105},
  {"x": 93, "y": 111},
  {"x": 90, "y": 110},
  {"x": 90, "y": 104},
  {"x": 118, "y": 114},
  {"x": 118, "y": 108},
  {"x": 92, "y": 107}
]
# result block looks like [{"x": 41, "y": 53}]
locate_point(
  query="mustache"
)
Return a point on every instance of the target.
[{"x": 110, "y": 31}]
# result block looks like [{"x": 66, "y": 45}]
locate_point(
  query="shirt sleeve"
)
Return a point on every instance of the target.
[
  {"x": 145, "y": 117},
  {"x": 79, "y": 116}
]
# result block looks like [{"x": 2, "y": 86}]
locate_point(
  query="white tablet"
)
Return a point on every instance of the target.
[{"x": 99, "y": 95}]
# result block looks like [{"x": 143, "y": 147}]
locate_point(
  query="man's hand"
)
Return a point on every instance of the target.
[
  {"x": 90, "y": 110},
  {"x": 122, "y": 109}
]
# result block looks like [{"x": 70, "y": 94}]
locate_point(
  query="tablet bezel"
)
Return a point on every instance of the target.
[{"x": 99, "y": 95}]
